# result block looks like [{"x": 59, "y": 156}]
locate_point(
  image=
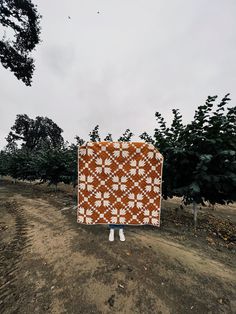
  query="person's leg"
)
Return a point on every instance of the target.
[
  {"x": 121, "y": 233},
  {"x": 112, "y": 232}
]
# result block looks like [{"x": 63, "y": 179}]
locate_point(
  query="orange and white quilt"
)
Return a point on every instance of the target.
[{"x": 119, "y": 183}]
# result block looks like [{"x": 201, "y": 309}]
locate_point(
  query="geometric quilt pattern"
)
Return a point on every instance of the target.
[{"x": 119, "y": 183}]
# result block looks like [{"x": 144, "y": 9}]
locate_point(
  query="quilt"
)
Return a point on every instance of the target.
[{"x": 119, "y": 183}]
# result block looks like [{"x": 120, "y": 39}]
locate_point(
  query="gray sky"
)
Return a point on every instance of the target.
[{"x": 119, "y": 67}]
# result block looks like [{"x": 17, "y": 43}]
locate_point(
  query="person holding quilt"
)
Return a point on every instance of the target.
[
  {"x": 112, "y": 232},
  {"x": 119, "y": 183}
]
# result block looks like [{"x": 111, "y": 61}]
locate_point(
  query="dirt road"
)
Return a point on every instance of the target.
[{"x": 51, "y": 264}]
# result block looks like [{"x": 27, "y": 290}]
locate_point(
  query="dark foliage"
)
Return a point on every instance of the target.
[
  {"x": 94, "y": 135},
  {"x": 108, "y": 138},
  {"x": 126, "y": 137},
  {"x": 200, "y": 157},
  {"x": 20, "y": 17},
  {"x": 35, "y": 134}
]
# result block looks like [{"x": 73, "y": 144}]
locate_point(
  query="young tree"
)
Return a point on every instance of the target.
[
  {"x": 22, "y": 165},
  {"x": 4, "y": 162},
  {"x": 21, "y": 17},
  {"x": 126, "y": 137},
  {"x": 51, "y": 165},
  {"x": 199, "y": 158},
  {"x": 108, "y": 138},
  {"x": 69, "y": 176},
  {"x": 79, "y": 140},
  {"x": 94, "y": 135},
  {"x": 211, "y": 142}
]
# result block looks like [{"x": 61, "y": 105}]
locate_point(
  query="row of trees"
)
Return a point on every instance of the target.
[
  {"x": 199, "y": 157},
  {"x": 36, "y": 150}
]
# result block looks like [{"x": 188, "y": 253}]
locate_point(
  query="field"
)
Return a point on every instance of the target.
[{"x": 51, "y": 264}]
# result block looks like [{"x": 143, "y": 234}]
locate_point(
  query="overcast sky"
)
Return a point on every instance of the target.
[{"x": 118, "y": 67}]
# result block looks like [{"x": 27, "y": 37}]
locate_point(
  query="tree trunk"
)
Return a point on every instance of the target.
[
  {"x": 74, "y": 194},
  {"x": 195, "y": 215}
]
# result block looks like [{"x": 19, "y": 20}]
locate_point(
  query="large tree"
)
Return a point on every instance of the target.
[
  {"x": 37, "y": 133},
  {"x": 21, "y": 18}
]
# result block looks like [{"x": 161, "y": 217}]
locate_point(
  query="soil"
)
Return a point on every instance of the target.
[{"x": 51, "y": 264}]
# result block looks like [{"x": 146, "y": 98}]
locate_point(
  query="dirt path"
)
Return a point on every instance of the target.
[{"x": 51, "y": 264}]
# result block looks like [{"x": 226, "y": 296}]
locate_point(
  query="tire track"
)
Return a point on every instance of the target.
[{"x": 11, "y": 256}]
